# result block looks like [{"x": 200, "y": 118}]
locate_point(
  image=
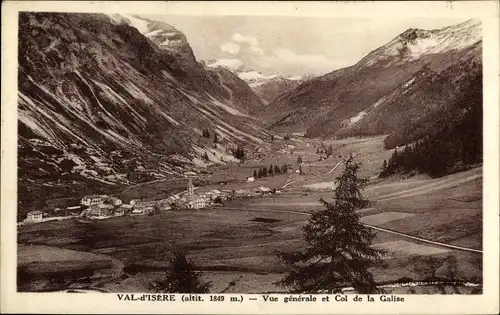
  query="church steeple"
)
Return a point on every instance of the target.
[{"x": 190, "y": 189}]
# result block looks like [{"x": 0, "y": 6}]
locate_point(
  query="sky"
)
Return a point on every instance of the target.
[{"x": 291, "y": 45}]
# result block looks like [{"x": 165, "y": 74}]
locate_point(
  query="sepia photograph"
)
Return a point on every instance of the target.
[{"x": 249, "y": 154}]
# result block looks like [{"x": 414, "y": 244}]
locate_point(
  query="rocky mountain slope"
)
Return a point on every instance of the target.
[
  {"x": 407, "y": 80},
  {"x": 97, "y": 97},
  {"x": 269, "y": 87}
]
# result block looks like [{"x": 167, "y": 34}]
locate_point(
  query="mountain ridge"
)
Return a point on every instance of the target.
[
  {"x": 97, "y": 97},
  {"x": 322, "y": 106}
]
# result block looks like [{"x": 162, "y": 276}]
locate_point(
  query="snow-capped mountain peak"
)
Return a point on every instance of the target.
[
  {"x": 416, "y": 43},
  {"x": 162, "y": 34}
]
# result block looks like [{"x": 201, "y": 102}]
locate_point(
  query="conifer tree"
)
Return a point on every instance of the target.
[
  {"x": 271, "y": 170},
  {"x": 182, "y": 278},
  {"x": 254, "y": 173},
  {"x": 277, "y": 169},
  {"x": 338, "y": 252}
]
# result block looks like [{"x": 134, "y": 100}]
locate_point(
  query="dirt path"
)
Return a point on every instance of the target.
[
  {"x": 471, "y": 250},
  {"x": 426, "y": 188},
  {"x": 298, "y": 179}
]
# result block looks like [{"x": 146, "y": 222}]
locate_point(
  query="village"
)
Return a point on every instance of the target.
[{"x": 98, "y": 207}]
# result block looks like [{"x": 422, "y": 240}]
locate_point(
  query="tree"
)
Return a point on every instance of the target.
[
  {"x": 271, "y": 170},
  {"x": 205, "y": 156},
  {"x": 284, "y": 169},
  {"x": 277, "y": 169},
  {"x": 338, "y": 251},
  {"x": 384, "y": 165},
  {"x": 329, "y": 151},
  {"x": 182, "y": 278},
  {"x": 299, "y": 160},
  {"x": 264, "y": 172},
  {"x": 254, "y": 174},
  {"x": 216, "y": 139},
  {"x": 67, "y": 165},
  {"x": 239, "y": 153}
]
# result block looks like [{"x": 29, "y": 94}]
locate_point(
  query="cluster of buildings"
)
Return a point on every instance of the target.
[
  {"x": 193, "y": 200},
  {"x": 104, "y": 206}
]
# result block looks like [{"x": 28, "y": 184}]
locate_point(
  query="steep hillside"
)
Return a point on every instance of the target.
[
  {"x": 95, "y": 95},
  {"x": 267, "y": 87},
  {"x": 168, "y": 38},
  {"x": 354, "y": 100},
  {"x": 241, "y": 94},
  {"x": 425, "y": 102},
  {"x": 270, "y": 87}
]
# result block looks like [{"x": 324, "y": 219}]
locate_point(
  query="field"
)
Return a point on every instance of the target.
[{"x": 235, "y": 246}]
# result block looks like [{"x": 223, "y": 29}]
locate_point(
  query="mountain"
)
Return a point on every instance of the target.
[
  {"x": 168, "y": 38},
  {"x": 97, "y": 98},
  {"x": 410, "y": 79},
  {"x": 269, "y": 87}
]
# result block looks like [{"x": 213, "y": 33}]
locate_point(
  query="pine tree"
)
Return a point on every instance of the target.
[
  {"x": 284, "y": 169},
  {"x": 277, "y": 169},
  {"x": 205, "y": 156},
  {"x": 338, "y": 251},
  {"x": 216, "y": 139},
  {"x": 329, "y": 151},
  {"x": 264, "y": 172},
  {"x": 254, "y": 174},
  {"x": 182, "y": 278},
  {"x": 271, "y": 170}
]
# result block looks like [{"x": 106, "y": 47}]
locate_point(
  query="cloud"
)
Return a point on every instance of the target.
[
  {"x": 231, "y": 48},
  {"x": 287, "y": 55},
  {"x": 249, "y": 41},
  {"x": 232, "y": 64},
  {"x": 287, "y": 60},
  {"x": 284, "y": 60}
]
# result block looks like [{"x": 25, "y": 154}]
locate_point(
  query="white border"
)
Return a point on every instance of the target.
[{"x": 487, "y": 303}]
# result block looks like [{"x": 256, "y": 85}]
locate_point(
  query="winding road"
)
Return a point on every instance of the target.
[
  {"x": 295, "y": 180},
  {"x": 423, "y": 240}
]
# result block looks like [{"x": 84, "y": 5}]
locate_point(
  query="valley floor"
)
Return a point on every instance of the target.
[{"x": 429, "y": 228}]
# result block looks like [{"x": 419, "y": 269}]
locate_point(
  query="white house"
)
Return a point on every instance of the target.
[
  {"x": 264, "y": 190},
  {"x": 250, "y": 179},
  {"x": 93, "y": 200},
  {"x": 116, "y": 201},
  {"x": 34, "y": 216},
  {"x": 198, "y": 203},
  {"x": 100, "y": 211}
]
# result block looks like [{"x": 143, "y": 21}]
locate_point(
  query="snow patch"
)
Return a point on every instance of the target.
[
  {"x": 254, "y": 75},
  {"x": 357, "y": 118},
  {"x": 173, "y": 121},
  {"x": 225, "y": 107},
  {"x": 139, "y": 24},
  {"x": 231, "y": 64}
]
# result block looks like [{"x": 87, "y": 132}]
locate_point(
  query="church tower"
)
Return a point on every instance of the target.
[{"x": 190, "y": 189}]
